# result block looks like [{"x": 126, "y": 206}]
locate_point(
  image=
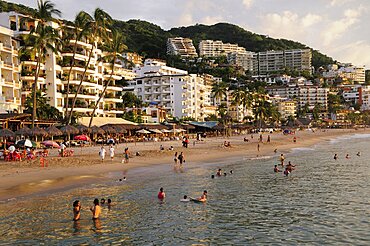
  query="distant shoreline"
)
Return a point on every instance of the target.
[{"x": 27, "y": 179}]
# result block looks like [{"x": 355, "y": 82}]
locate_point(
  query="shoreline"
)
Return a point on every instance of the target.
[{"x": 85, "y": 168}]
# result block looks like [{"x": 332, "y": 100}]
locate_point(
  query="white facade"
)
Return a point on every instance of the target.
[
  {"x": 10, "y": 84},
  {"x": 181, "y": 46},
  {"x": 246, "y": 60},
  {"x": 212, "y": 48},
  {"x": 180, "y": 94},
  {"x": 346, "y": 71},
  {"x": 274, "y": 61},
  {"x": 54, "y": 70}
]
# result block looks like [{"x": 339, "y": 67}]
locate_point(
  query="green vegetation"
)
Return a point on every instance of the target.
[{"x": 150, "y": 40}]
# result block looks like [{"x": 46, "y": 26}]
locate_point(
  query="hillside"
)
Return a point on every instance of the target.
[{"x": 150, "y": 40}]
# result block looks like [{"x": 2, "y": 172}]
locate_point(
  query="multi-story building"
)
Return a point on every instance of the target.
[
  {"x": 246, "y": 60},
  {"x": 181, "y": 46},
  {"x": 286, "y": 107},
  {"x": 215, "y": 48},
  {"x": 55, "y": 68},
  {"x": 10, "y": 84},
  {"x": 277, "y": 61},
  {"x": 356, "y": 94},
  {"x": 347, "y": 72},
  {"x": 133, "y": 58},
  {"x": 304, "y": 94},
  {"x": 180, "y": 94}
]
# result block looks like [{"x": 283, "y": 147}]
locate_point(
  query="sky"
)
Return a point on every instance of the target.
[{"x": 337, "y": 28}]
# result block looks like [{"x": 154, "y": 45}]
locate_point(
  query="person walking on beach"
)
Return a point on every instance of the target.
[
  {"x": 268, "y": 139},
  {"x": 102, "y": 153},
  {"x": 258, "y": 147},
  {"x": 111, "y": 152},
  {"x": 76, "y": 210},
  {"x": 96, "y": 209},
  {"x": 161, "y": 195},
  {"x": 261, "y": 138}
]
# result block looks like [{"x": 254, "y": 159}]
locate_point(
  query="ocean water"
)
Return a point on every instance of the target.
[{"x": 323, "y": 202}]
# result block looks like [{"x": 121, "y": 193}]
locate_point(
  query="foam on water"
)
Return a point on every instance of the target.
[{"x": 349, "y": 137}]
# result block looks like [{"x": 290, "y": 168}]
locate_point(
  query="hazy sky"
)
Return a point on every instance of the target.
[{"x": 337, "y": 28}]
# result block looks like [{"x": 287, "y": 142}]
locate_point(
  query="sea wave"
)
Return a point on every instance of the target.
[{"x": 350, "y": 137}]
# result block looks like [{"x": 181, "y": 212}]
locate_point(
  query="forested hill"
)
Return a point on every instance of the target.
[{"x": 150, "y": 40}]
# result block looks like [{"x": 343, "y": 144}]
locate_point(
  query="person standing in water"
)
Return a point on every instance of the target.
[
  {"x": 282, "y": 158},
  {"x": 161, "y": 195},
  {"x": 76, "y": 210},
  {"x": 335, "y": 157},
  {"x": 276, "y": 169},
  {"x": 96, "y": 209},
  {"x": 102, "y": 153},
  {"x": 203, "y": 197},
  {"x": 175, "y": 158},
  {"x": 111, "y": 152}
]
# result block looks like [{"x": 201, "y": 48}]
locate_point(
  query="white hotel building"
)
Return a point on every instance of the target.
[
  {"x": 53, "y": 76},
  {"x": 180, "y": 94},
  {"x": 10, "y": 84}
]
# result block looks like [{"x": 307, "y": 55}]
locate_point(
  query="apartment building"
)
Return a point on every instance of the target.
[
  {"x": 357, "y": 94},
  {"x": 247, "y": 60},
  {"x": 181, "y": 46},
  {"x": 303, "y": 94},
  {"x": 286, "y": 107},
  {"x": 10, "y": 84},
  {"x": 55, "y": 67},
  {"x": 276, "y": 61},
  {"x": 348, "y": 72},
  {"x": 180, "y": 94},
  {"x": 133, "y": 59},
  {"x": 215, "y": 48}
]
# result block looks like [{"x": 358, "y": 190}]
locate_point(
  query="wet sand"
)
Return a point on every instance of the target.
[{"x": 24, "y": 178}]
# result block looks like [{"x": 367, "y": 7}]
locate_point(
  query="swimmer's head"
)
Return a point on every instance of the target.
[
  {"x": 185, "y": 197},
  {"x": 275, "y": 165},
  {"x": 96, "y": 201},
  {"x": 120, "y": 180},
  {"x": 109, "y": 201},
  {"x": 212, "y": 176},
  {"x": 231, "y": 171},
  {"x": 161, "y": 189},
  {"x": 75, "y": 203},
  {"x": 102, "y": 201},
  {"x": 225, "y": 174}
]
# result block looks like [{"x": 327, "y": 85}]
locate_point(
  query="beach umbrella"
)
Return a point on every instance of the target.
[
  {"x": 26, "y": 143},
  {"x": 119, "y": 129},
  {"x": 37, "y": 131},
  {"x": 53, "y": 131},
  {"x": 25, "y": 131},
  {"x": 143, "y": 131},
  {"x": 6, "y": 133},
  {"x": 68, "y": 130},
  {"x": 83, "y": 129},
  {"x": 110, "y": 141},
  {"x": 11, "y": 148},
  {"x": 108, "y": 129},
  {"x": 156, "y": 131},
  {"x": 50, "y": 143},
  {"x": 97, "y": 130},
  {"x": 82, "y": 138},
  {"x": 166, "y": 131}
]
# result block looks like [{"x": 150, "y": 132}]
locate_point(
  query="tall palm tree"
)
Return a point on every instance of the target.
[
  {"x": 115, "y": 48},
  {"x": 41, "y": 39},
  {"x": 80, "y": 30},
  {"x": 219, "y": 91},
  {"x": 98, "y": 26},
  {"x": 237, "y": 96}
]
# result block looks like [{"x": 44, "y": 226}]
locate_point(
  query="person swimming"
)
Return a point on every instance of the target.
[
  {"x": 102, "y": 201},
  {"x": 358, "y": 153},
  {"x": 212, "y": 176},
  {"x": 225, "y": 174},
  {"x": 335, "y": 157},
  {"x": 231, "y": 171},
  {"x": 286, "y": 171},
  {"x": 347, "y": 156},
  {"x": 219, "y": 172},
  {"x": 185, "y": 199},
  {"x": 276, "y": 169}
]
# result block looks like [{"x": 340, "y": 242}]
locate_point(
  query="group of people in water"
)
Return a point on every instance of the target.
[
  {"x": 95, "y": 209},
  {"x": 203, "y": 198},
  {"x": 288, "y": 168}
]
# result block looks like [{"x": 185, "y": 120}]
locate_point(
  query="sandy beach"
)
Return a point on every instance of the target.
[{"x": 24, "y": 178}]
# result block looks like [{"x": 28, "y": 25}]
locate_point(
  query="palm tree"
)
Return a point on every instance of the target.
[
  {"x": 115, "y": 48},
  {"x": 41, "y": 39},
  {"x": 98, "y": 29},
  {"x": 237, "y": 96},
  {"x": 80, "y": 30},
  {"x": 219, "y": 90}
]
